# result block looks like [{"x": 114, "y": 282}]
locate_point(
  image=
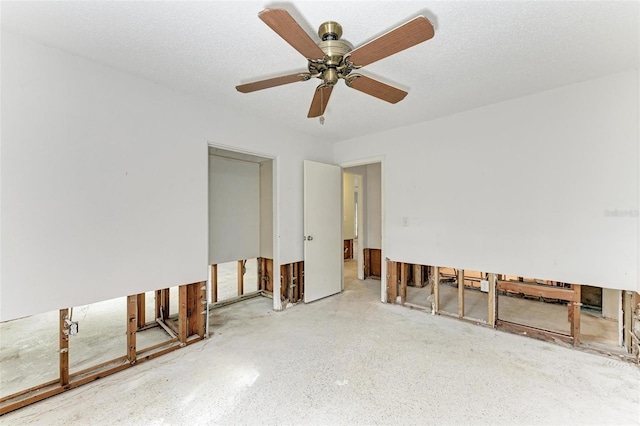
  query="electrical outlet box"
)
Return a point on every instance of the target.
[
  {"x": 484, "y": 286},
  {"x": 72, "y": 327}
]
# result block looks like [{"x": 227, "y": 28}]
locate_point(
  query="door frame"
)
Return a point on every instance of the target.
[
  {"x": 277, "y": 303},
  {"x": 383, "y": 266}
]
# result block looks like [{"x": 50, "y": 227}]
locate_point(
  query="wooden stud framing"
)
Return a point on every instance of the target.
[
  {"x": 538, "y": 290},
  {"x": 366, "y": 260},
  {"x": 132, "y": 326},
  {"x": 214, "y": 283},
  {"x": 240, "y": 277},
  {"x": 533, "y": 332},
  {"x": 296, "y": 280},
  {"x": 436, "y": 289},
  {"x": 64, "y": 348},
  {"x": 290, "y": 282},
  {"x": 418, "y": 279},
  {"x": 461, "y": 293},
  {"x": 301, "y": 280},
  {"x": 392, "y": 281},
  {"x": 182, "y": 314},
  {"x": 141, "y": 313},
  {"x": 404, "y": 277},
  {"x": 158, "y": 303},
  {"x": 575, "y": 317},
  {"x": 492, "y": 301},
  {"x": 162, "y": 303},
  {"x": 202, "y": 308},
  {"x": 627, "y": 319}
]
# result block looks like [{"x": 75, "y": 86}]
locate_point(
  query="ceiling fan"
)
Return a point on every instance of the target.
[{"x": 332, "y": 59}]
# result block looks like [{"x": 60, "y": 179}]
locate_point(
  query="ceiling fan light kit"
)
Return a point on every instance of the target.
[{"x": 333, "y": 59}]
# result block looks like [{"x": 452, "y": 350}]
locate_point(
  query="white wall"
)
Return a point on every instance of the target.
[
  {"x": 373, "y": 206},
  {"x": 104, "y": 180},
  {"x": 348, "y": 207},
  {"x": 266, "y": 209},
  {"x": 522, "y": 187},
  {"x": 234, "y": 210}
]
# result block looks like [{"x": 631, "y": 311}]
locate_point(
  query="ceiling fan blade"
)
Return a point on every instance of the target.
[
  {"x": 286, "y": 27},
  {"x": 376, "y": 88},
  {"x": 400, "y": 38},
  {"x": 272, "y": 82},
  {"x": 320, "y": 101}
]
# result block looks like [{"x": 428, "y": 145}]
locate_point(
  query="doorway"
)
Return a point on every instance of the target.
[
  {"x": 362, "y": 226},
  {"x": 241, "y": 225}
]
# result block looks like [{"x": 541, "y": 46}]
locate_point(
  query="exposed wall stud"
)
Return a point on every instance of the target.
[
  {"x": 64, "y": 348},
  {"x": 392, "y": 281},
  {"x": 182, "y": 314},
  {"x": 492, "y": 301},
  {"x": 575, "y": 317},
  {"x": 404, "y": 277},
  {"x": 461, "y": 293},
  {"x": 132, "y": 327},
  {"x": 141, "y": 315},
  {"x": 240, "y": 277},
  {"x": 418, "y": 279},
  {"x": 214, "y": 283},
  {"x": 436, "y": 289}
]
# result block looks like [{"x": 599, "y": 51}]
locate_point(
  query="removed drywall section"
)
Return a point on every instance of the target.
[
  {"x": 104, "y": 180},
  {"x": 531, "y": 185}
]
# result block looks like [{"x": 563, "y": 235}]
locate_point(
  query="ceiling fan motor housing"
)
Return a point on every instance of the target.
[{"x": 334, "y": 50}]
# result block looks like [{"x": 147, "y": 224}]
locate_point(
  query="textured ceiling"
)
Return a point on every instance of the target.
[{"x": 482, "y": 52}]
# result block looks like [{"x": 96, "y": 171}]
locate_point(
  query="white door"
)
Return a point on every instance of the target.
[{"x": 323, "y": 245}]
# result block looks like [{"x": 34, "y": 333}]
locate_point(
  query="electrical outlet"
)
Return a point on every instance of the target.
[
  {"x": 72, "y": 327},
  {"x": 484, "y": 286}
]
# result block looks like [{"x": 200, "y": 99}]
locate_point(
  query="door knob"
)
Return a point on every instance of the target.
[{"x": 309, "y": 238}]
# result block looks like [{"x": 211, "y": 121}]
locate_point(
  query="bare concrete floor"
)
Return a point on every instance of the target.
[
  {"x": 595, "y": 330},
  {"x": 350, "y": 359}
]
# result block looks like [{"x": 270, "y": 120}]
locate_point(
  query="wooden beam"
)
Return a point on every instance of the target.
[
  {"x": 64, "y": 348},
  {"x": 141, "y": 315},
  {"x": 460, "y": 293},
  {"x": 240, "y": 277},
  {"x": 536, "y": 333},
  {"x": 158, "y": 303},
  {"x": 418, "y": 280},
  {"x": 214, "y": 283},
  {"x": 537, "y": 290},
  {"x": 132, "y": 326},
  {"x": 436, "y": 289},
  {"x": 182, "y": 314},
  {"x": 404, "y": 277},
  {"x": 366, "y": 260},
  {"x": 392, "y": 281},
  {"x": 296, "y": 281},
  {"x": 575, "y": 317},
  {"x": 162, "y": 303},
  {"x": 492, "y": 301},
  {"x": 301, "y": 279}
]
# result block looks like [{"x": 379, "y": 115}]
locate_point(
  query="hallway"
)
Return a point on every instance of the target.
[{"x": 350, "y": 359}]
